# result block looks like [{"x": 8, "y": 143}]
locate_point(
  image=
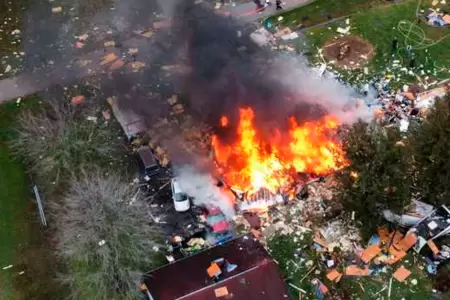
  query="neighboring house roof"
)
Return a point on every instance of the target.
[{"x": 256, "y": 277}]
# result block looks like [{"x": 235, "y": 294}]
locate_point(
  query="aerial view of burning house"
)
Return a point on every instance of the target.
[{"x": 185, "y": 149}]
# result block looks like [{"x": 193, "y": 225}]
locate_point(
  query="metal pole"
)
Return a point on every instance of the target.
[{"x": 40, "y": 206}]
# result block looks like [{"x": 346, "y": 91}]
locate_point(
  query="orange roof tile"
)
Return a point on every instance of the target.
[
  {"x": 354, "y": 270},
  {"x": 221, "y": 292},
  {"x": 446, "y": 18},
  {"x": 213, "y": 270},
  {"x": 334, "y": 275},
  {"x": 407, "y": 242},
  {"x": 396, "y": 255},
  {"x": 401, "y": 274},
  {"x": 433, "y": 247},
  {"x": 397, "y": 237},
  {"x": 383, "y": 233},
  {"x": 370, "y": 252}
]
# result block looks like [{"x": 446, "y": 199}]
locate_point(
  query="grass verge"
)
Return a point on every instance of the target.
[
  {"x": 13, "y": 229},
  {"x": 320, "y": 11}
]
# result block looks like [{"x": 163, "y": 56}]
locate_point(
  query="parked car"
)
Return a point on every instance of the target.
[
  {"x": 148, "y": 164},
  {"x": 181, "y": 200}
]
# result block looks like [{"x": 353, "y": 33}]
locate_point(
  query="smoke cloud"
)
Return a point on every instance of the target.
[
  {"x": 203, "y": 188},
  {"x": 227, "y": 69},
  {"x": 230, "y": 71}
]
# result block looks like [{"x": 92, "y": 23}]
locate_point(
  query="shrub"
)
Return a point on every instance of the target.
[
  {"x": 57, "y": 140},
  {"x": 103, "y": 229}
]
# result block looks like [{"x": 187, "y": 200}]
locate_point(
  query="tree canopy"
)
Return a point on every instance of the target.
[
  {"x": 431, "y": 147},
  {"x": 378, "y": 175},
  {"x": 387, "y": 168}
]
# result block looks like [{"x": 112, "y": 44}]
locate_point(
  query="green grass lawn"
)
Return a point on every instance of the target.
[
  {"x": 318, "y": 11},
  {"x": 380, "y": 26},
  {"x": 13, "y": 202},
  {"x": 293, "y": 263},
  {"x": 14, "y": 198}
]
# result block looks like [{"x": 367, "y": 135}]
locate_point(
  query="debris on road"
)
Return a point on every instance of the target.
[
  {"x": 57, "y": 9},
  {"x": 77, "y": 100}
]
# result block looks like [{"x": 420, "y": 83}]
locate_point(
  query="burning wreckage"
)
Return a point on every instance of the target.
[
  {"x": 255, "y": 174},
  {"x": 264, "y": 173},
  {"x": 266, "y": 140}
]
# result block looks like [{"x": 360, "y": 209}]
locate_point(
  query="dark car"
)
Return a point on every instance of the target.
[{"x": 148, "y": 164}]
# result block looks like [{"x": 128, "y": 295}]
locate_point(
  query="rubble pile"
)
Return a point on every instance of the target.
[
  {"x": 303, "y": 213},
  {"x": 339, "y": 234}
]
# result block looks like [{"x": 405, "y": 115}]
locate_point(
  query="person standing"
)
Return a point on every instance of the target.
[
  {"x": 394, "y": 45},
  {"x": 278, "y": 5}
]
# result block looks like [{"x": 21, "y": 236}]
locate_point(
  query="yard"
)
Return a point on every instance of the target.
[
  {"x": 320, "y": 11},
  {"x": 296, "y": 258},
  {"x": 381, "y": 26},
  {"x": 13, "y": 202}
]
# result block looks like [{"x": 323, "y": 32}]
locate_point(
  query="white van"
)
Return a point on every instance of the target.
[{"x": 180, "y": 199}]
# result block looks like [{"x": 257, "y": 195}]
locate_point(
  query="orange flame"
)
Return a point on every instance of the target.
[
  {"x": 251, "y": 163},
  {"x": 224, "y": 121}
]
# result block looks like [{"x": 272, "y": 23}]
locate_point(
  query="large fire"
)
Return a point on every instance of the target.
[{"x": 251, "y": 163}]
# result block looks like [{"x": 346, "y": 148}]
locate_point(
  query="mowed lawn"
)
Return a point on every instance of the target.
[
  {"x": 381, "y": 25},
  {"x": 14, "y": 199}
]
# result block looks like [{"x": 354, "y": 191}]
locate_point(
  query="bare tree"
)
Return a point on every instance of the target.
[
  {"x": 104, "y": 232},
  {"x": 57, "y": 139}
]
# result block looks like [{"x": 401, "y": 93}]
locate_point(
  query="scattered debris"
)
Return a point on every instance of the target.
[
  {"x": 137, "y": 66},
  {"x": 334, "y": 275},
  {"x": 57, "y": 9},
  {"x": 401, "y": 274},
  {"x": 109, "y": 58},
  {"x": 77, "y": 100},
  {"x": 106, "y": 115},
  {"x": 221, "y": 292},
  {"x": 109, "y": 44},
  {"x": 117, "y": 64}
]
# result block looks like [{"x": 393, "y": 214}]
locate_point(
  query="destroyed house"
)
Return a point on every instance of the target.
[{"x": 244, "y": 271}]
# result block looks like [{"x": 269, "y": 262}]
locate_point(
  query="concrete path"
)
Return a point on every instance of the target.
[{"x": 26, "y": 84}]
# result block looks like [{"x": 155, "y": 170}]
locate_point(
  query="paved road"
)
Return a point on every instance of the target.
[
  {"x": 249, "y": 12},
  {"x": 26, "y": 84}
]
